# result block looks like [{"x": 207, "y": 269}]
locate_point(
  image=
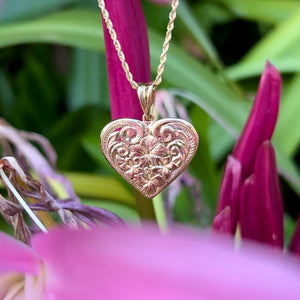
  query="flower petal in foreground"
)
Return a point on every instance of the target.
[
  {"x": 16, "y": 256},
  {"x": 18, "y": 264},
  {"x": 142, "y": 264}
]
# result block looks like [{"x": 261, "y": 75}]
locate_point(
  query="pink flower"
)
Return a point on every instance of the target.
[
  {"x": 250, "y": 193},
  {"x": 142, "y": 264}
]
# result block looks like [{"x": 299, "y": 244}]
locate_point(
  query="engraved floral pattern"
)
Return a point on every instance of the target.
[{"x": 149, "y": 156}]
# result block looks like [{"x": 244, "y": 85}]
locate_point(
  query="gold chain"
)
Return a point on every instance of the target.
[{"x": 165, "y": 48}]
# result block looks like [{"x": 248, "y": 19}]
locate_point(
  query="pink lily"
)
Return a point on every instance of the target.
[
  {"x": 129, "y": 23},
  {"x": 249, "y": 191},
  {"x": 142, "y": 264}
]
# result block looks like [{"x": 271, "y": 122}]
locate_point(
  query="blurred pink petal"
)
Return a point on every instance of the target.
[
  {"x": 294, "y": 245},
  {"x": 129, "y": 23},
  {"x": 228, "y": 195},
  {"x": 262, "y": 120},
  {"x": 17, "y": 257},
  {"x": 142, "y": 264}
]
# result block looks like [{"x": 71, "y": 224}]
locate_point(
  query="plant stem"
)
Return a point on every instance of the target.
[
  {"x": 151, "y": 210},
  {"x": 144, "y": 207},
  {"x": 160, "y": 213}
]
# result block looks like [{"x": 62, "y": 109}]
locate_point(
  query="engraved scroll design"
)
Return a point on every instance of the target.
[{"x": 149, "y": 155}]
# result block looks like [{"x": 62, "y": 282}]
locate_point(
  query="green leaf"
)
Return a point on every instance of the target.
[
  {"x": 60, "y": 28},
  {"x": 287, "y": 135},
  {"x": 85, "y": 88},
  {"x": 250, "y": 69},
  {"x": 6, "y": 95},
  {"x": 4, "y": 227},
  {"x": 202, "y": 163},
  {"x": 289, "y": 227},
  {"x": 268, "y": 11},
  {"x": 68, "y": 132},
  {"x": 281, "y": 46},
  {"x": 272, "y": 45},
  {"x": 90, "y": 142},
  {"x": 19, "y": 10},
  {"x": 211, "y": 13},
  {"x": 124, "y": 212},
  {"x": 93, "y": 149},
  {"x": 287, "y": 168},
  {"x": 102, "y": 187},
  {"x": 187, "y": 17},
  {"x": 220, "y": 141},
  {"x": 231, "y": 123}
]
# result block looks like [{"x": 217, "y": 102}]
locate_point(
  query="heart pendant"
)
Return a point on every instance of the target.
[{"x": 149, "y": 154}]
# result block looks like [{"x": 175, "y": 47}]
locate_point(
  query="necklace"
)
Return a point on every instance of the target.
[{"x": 148, "y": 154}]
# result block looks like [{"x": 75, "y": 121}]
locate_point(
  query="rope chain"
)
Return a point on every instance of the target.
[{"x": 165, "y": 48}]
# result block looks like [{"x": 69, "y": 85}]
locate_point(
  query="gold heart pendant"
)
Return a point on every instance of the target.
[{"x": 149, "y": 154}]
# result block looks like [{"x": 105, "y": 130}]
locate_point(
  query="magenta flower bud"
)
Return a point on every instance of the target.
[
  {"x": 241, "y": 165},
  {"x": 248, "y": 212},
  {"x": 222, "y": 221},
  {"x": 262, "y": 120},
  {"x": 227, "y": 209},
  {"x": 129, "y": 23},
  {"x": 261, "y": 210}
]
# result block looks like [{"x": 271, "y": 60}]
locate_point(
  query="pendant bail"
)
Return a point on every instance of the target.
[{"x": 146, "y": 94}]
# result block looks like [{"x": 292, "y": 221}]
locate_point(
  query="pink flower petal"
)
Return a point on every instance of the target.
[
  {"x": 229, "y": 191},
  {"x": 249, "y": 215},
  {"x": 262, "y": 120},
  {"x": 17, "y": 257},
  {"x": 130, "y": 264},
  {"x": 222, "y": 221},
  {"x": 269, "y": 195},
  {"x": 261, "y": 210},
  {"x": 129, "y": 23}
]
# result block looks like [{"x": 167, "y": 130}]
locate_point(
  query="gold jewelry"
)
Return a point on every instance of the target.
[{"x": 148, "y": 154}]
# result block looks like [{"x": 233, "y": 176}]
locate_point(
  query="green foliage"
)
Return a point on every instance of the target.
[{"x": 53, "y": 81}]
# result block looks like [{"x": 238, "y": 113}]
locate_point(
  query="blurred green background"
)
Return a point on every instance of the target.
[{"x": 53, "y": 81}]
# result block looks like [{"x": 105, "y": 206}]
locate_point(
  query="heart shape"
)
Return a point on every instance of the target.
[{"x": 149, "y": 155}]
